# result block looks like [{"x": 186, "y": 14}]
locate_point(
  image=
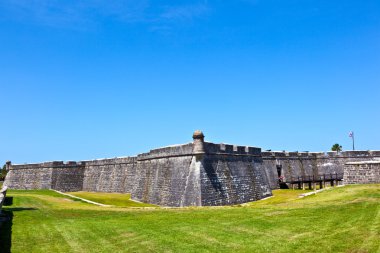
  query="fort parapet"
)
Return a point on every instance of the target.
[
  {"x": 365, "y": 172},
  {"x": 298, "y": 164},
  {"x": 194, "y": 174}
]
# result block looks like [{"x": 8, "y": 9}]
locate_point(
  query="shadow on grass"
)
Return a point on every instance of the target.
[
  {"x": 6, "y": 218},
  {"x": 18, "y": 209},
  {"x": 6, "y": 222}
]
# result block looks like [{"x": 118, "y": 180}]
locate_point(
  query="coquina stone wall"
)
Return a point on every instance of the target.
[
  {"x": 194, "y": 174},
  {"x": 109, "y": 175},
  {"x": 172, "y": 177},
  {"x": 366, "y": 172},
  {"x": 50, "y": 175},
  {"x": 232, "y": 174},
  {"x": 295, "y": 164}
]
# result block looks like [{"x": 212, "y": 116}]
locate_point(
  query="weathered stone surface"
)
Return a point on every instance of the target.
[
  {"x": 296, "y": 164},
  {"x": 109, "y": 175},
  {"x": 194, "y": 174},
  {"x": 3, "y": 193},
  {"x": 366, "y": 172},
  {"x": 37, "y": 176},
  {"x": 232, "y": 175}
]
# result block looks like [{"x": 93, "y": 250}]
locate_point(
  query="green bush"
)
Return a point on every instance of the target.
[{"x": 3, "y": 173}]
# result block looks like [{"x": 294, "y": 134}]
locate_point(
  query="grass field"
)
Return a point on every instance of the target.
[
  {"x": 345, "y": 219},
  {"x": 115, "y": 199}
]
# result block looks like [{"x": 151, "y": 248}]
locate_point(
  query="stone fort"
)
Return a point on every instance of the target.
[{"x": 195, "y": 174}]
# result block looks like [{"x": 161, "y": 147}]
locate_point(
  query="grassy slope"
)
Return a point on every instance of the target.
[
  {"x": 116, "y": 199},
  {"x": 340, "y": 220}
]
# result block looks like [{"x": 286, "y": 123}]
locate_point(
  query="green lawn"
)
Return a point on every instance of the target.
[
  {"x": 345, "y": 219},
  {"x": 115, "y": 199}
]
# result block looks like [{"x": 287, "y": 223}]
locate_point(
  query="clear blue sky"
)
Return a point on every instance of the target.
[{"x": 84, "y": 79}]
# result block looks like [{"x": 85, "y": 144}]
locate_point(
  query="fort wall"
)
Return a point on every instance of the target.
[
  {"x": 295, "y": 164},
  {"x": 366, "y": 172},
  {"x": 232, "y": 174},
  {"x": 194, "y": 174},
  {"x": 49, "y": 175},
  {"x": 109, "y": 175}
]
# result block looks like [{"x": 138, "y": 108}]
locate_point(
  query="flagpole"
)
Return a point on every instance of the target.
[{"x": 351, "y": 135}]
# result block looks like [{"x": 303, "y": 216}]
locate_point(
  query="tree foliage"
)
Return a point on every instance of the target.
[
  {"x": 336, "y": 147},
  {"x": 3, "y": 173}
]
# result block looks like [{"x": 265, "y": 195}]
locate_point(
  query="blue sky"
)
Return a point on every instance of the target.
[{"x": 91, "y": 79}]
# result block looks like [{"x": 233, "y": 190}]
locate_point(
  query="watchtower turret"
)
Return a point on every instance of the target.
[
  {"x": 198, "y": 142},
  {"x": 8, "y": 165}
]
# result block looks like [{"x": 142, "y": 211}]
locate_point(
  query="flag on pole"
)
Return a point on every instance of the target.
[{"x": 351, "y": 135}]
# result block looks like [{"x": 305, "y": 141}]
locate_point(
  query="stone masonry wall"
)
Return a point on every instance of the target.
[
  {"x": 194, "y": 174},
  {"x": 50, "y": 175},
  {"x": 232, "y": 174},
  {"x": 168, "y": 177},
  {"x": 68, "y": 177},
  {"x": 163, "y": 176},
  {"x": 367, "y": 172},
  {"x": 109, "y": 175},
  {"x": 294, "y": 164}
]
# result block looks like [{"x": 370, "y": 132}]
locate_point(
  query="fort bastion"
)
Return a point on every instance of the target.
[{"x": 195, "y": 174}]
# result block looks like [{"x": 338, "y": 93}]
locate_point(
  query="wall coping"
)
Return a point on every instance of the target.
[{"x": 363, "y": 162}]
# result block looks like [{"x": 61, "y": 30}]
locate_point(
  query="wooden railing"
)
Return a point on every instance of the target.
[{"x": 312, "y": 181}]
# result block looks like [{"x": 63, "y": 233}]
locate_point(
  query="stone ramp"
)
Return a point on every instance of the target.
[{"x": 82, "y": 199}]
